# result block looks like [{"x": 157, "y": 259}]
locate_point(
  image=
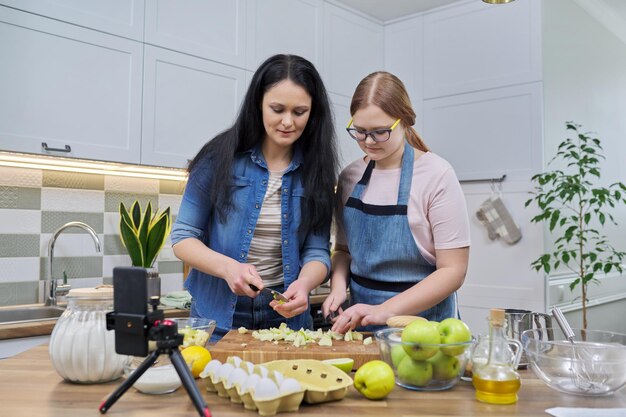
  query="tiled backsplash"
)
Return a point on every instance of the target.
[{"x": 34, "y": 203}]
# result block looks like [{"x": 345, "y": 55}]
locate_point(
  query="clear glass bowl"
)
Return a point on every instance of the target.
[
  {"x": 440, "y": 372},
  {"x": 196, "y": 331},
  {"x": 594, "y": 365}
]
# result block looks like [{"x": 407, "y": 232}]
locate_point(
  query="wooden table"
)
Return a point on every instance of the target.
[{"x": 29, "y": 386}]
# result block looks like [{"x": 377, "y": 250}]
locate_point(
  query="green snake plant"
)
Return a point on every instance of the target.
[{"x": 143, "y": 234}]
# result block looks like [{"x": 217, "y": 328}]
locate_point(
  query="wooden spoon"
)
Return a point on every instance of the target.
[{"x": 402, "y": 321}]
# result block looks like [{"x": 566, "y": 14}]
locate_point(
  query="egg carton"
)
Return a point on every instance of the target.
[
  {"x": 237, "y": 380},
  {"x": 322, "y": 382}
]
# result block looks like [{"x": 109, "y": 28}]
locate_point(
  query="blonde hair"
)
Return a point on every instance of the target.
[{"x": 386, "y": 91}]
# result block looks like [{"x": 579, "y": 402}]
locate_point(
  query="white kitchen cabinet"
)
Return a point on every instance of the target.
[
  {"x": 118, "y": 17},
  {"x": 74, "y": 89},
  {"x": 295, "y": 29},
  {"x": 404, "y": 44},
  {"x": 187, "y": 101},
  {"x": 213, "y": 29},
  {"x": 349, "y": 149},
  {"x": 490, "y": 133},
  {"x": 353, "y": 48},
  {"x": 475, "y": 46}
]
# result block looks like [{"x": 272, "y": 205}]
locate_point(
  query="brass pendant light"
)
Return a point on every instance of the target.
[{"x": 497, "y": 1}]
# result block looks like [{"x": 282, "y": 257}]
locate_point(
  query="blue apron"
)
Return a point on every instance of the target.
[{"x": 385, "y": 257}]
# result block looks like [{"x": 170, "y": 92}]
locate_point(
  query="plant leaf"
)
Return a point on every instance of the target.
[
  {"x": 144, "y": 227},
  {"x": 131, "y": 242},
  {"x": 135, "y": 211},
  {"x": 159, "y": 230}
]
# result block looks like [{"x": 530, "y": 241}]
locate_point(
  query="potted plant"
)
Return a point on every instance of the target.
[
  {"x": 143, "y": 234},
  {"x": 575, "y": 210}
]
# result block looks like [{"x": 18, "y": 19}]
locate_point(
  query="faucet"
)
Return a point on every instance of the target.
[{"x": 51, "y": 288}]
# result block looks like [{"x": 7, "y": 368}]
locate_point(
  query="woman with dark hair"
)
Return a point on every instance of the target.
[
  {"x": 402, "y": 239},
  {"x": 258, "y": 204}
]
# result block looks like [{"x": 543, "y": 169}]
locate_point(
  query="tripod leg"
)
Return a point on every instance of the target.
[
  {"x": 189, "y": 383},
  {"x": 124, "y": 386}
]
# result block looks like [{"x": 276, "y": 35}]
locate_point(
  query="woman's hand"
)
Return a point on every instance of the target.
[
  {"x": 298, "y": 295},
  {"x": 360, "y": 315},
  {"x": 332, "y": 303},
  {"x": 239, "y": 277}
]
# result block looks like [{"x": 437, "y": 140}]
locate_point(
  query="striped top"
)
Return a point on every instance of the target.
[{"x": 265, "y": 251}]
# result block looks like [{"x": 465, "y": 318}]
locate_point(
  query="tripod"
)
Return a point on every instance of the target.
[{"x": 168, "y": 339}]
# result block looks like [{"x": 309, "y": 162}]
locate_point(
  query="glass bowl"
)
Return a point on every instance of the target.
[
  {"x": 594, "y": 365},
  {"x": 196, "y": 331},
  {"x": 439, "y": 372}
]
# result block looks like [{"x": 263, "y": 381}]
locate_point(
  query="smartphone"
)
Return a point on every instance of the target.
[{"x": 129, "y": 320}]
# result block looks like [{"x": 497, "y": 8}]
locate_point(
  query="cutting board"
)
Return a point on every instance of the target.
[{"x": 256, "y": 351}]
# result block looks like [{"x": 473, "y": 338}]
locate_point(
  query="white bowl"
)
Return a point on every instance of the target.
[{"x": 158, "y": 380}]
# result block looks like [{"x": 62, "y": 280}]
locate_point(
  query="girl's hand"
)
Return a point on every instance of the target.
[
  {"x": 239, "y": 277},
  {"x": 360, "y": 315},
  {"x": 332, "y": 303},
  {"x": 298, "y": 296}
]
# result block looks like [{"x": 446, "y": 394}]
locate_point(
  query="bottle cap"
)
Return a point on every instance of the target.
[
  {"x": 100, "y": 292},
  {"x": 496, "y": 315}
]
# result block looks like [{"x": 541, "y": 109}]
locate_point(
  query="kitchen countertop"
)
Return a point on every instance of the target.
[
  {"x": 30, "y": 386},
  {"x": 44, "y": 327}
]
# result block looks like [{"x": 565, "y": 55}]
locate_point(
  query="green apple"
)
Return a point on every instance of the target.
[
  {"x": 397, "y": 354},
  {"x": 453, "y": 330},
  {"x": 445, "y": 367},
  {"x": 374, "y": 379},
  {"x": 417, "y": 335},
  {"x": 416, "y": 373}
]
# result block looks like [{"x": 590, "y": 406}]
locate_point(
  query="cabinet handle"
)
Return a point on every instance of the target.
[{"x": 46, "y": 148}]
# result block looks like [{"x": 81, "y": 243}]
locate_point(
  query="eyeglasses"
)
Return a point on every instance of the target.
[{"x": 377, "y": 135}]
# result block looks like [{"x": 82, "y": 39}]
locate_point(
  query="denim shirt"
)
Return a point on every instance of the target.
[{"x": 212, "y": 298}]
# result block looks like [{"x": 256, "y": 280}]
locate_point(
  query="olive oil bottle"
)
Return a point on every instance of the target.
[{"x": 494, "y": 364}]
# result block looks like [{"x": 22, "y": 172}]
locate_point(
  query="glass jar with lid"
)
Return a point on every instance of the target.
[{"x": 81, "y": 349}]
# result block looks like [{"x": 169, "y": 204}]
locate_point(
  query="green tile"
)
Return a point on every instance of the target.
[
  {"x": 171, "y": 187},
  {"x": 15, "y": 293},
  {"x": 20, "y": 198},
  {"x": 19, "y": 246},
  {"x": 113, "y": 245},
  {"x": 52, "y": 220},
  {"x": 75, "y": 267},
  {"x": 76, "y": 180},
  {"x": 112, "y": 200},
  {"x": 170, "y": 267}
]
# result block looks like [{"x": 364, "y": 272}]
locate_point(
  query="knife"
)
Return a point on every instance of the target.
[{"x": 275, "y": 294}]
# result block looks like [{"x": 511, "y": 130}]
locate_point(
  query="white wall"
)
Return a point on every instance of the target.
[{"x": 585, "y": 82}]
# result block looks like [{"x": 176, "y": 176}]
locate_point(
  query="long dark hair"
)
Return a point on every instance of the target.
[
  {"x": 318, "y": 145},
  {"x": 387, "y": 91}
]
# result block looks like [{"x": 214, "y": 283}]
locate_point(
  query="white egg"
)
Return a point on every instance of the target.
[
  {"x": 265, "y": 389},
  {"x": 236, "y": 377},
  {"x": 249, "y": 384},
  {"x": 278, "y": 377},
  {"x": 289, "y": 385},
  {"x": 211, "y": 368},
  {"x": 262, "y": 370},
  {"x": 223, "y": 372},
  {"x": 248, "y": 366},
  {"x": 234, "y": 360}
]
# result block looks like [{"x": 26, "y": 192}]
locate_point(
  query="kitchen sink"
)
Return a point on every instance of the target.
[{"x": 29, "y": 313}]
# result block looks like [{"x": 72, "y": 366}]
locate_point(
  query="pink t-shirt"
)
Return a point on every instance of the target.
[{"x": 436, "y": 210}]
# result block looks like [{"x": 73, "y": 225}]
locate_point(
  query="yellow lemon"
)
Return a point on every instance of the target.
[
  {"x": 197, "y": 357},
  {"x": 345, "y": 364}
]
